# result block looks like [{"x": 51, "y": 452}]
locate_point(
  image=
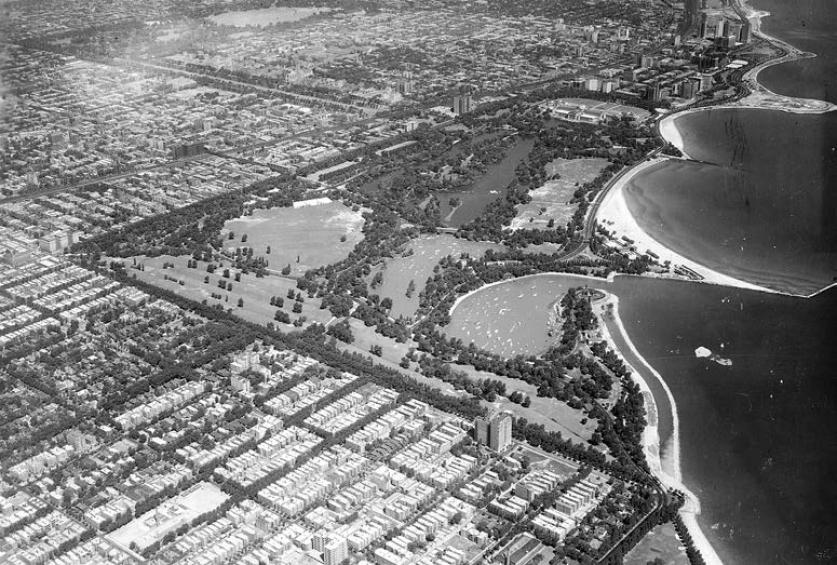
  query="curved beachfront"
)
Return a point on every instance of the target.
[
  {"x": 615, "y": 215},
  {"x": 663, "y": 455},
  {"x": 667, "y": 469}
]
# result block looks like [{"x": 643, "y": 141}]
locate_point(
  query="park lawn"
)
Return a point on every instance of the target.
[
  {"x": 552, "y": 200},
  {"x": 391, "y": 354},
  {"x": 310, "y": 234},
  {"x": 555, "y": 415},
  {"x": 661, "y": 542},
  {"x": 427, "y": 252},
  {"x": 365, "y": 337},
  {"x": 254, "y": 291}
]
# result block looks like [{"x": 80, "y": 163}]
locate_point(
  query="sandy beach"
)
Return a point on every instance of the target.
[
  {"x": 668, "y": 471},
  {"x": 614, "y": 215},
  {"x": 669, "y": 131}
]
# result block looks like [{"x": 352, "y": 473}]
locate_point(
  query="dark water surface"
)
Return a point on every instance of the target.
[
  {"x": 486, "y": 189},
  {"x": 810, "y": 25},
  {"x": 757, "y": 440},
  {"x": 765, "y": 207}
]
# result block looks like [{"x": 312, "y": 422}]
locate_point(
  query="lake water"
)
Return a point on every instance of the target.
[
  {"x": 765, "y": 211},
  {"x": 810, "y": 25},
  {"x": 486, "y": 189},
  {"x": 756, "y": 437},
  {"x": 756, "y": 442}
]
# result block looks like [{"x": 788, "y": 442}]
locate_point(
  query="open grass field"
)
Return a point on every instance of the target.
[
  {"x": 662, "y": 543},
  {"x": 553, "y": 414},
  {"x": 311, "y": 234},
  {"x": 255, "y": 292},
  {"x": 427, "y": 251},
  {"x": 552, "y": 200}
]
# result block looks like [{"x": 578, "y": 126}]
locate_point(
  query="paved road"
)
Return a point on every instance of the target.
[{"x": 590, "y": 220}]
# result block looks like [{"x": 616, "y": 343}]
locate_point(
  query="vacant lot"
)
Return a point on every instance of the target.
[
  {"x": 254, "y": 292},
  {"x": 170, "y": 515},
  {"x": 426, "y": 251},
  {"x": 303, "y": 238},
  {"x": 552, "y": 200}
]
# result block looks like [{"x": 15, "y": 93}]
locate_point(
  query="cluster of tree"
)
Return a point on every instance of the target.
[
  {"x": 487, "y": 389},
  {"x": 383, "y": 237},
  {"x": 241, "y": 333},
  {"x": 577, "y": 315},
  {"x": 569, "y": 141},
  {"x": 692, "y": 552},
  {"x": 245, "y": 262},
  {"x": 338, "y": 305},
  {"x": 519, "y": 398},
  {"x": 341, "y": 330},
  {"x": 375, "y": 312},
  {"x": 193, "y": 229}
]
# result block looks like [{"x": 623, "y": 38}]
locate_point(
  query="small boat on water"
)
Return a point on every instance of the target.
[{"x": 706, "y": 353}]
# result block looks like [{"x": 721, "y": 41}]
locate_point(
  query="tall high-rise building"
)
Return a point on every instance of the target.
[
  {"x": 481, "y": 426},
  {"x": 335, "y": 551},
  {"x": 462, "y": 103},
  {"x": 653, "y": 93},
  {"x": 689, "y": 88},
  {"x": 712, "y": 26},
  {"x": 734, "y": 29},
  {"x": 500, "y": 434},
  {"x": 647, "y": 61},
  {"x": 405, "y": 83},
  {"x": 494, "y": 431},
  {"x": 706, "y": 81},
  {"x": 744, "y": 36}
]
